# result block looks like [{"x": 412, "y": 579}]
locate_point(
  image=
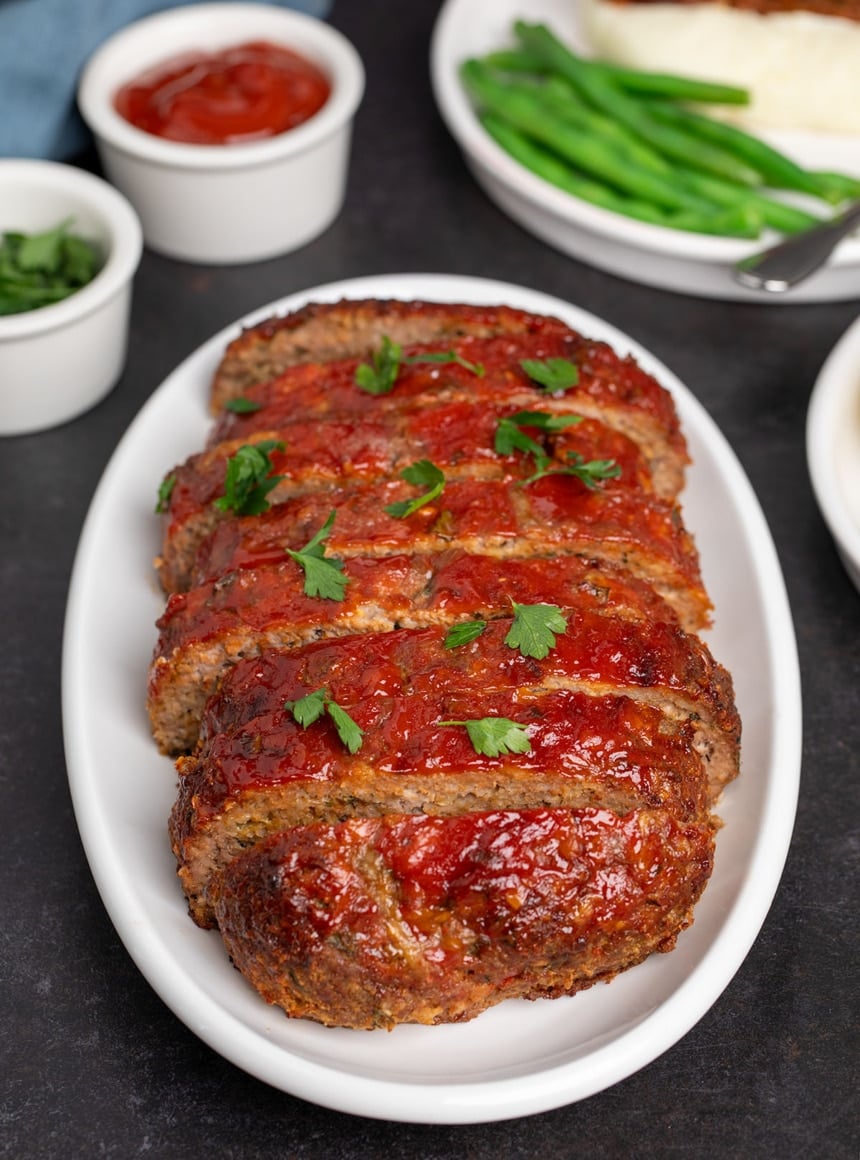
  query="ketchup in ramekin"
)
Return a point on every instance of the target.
[{"x": 243, "y": 93}]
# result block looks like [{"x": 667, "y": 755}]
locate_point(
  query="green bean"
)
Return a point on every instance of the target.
[
  {"x": 645, "y": 84},
  {"x": 838, "y": 186},
  {"x": 597, "y": 88},
  {"x": 777, "y": 214},
  {"x": 776, "y": 169},
  {"x": 596, "y": 156},
  {"x": 631, "y": 80},
  {"x": 559, "y": 97},
  {"x": 727, "y": 223},
  {"x": 562, "y": 98},
  {"x": 516, "y": 60}
]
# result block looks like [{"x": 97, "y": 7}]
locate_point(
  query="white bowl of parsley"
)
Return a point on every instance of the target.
[{"x": 69, "y": 248}]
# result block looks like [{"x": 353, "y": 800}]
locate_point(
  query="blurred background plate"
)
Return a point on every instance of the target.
[
  {"x": 833, "y": 446},
  {"x": 671, "y": 259}
]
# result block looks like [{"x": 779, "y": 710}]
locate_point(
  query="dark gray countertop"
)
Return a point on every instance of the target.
[{"x": 94, "y": 1065}]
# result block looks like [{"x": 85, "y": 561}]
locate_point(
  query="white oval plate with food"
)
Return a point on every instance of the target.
[
  {"x": 833, "y": 446},
  {"x": 671, "y": 259},
  {"x": 518, "y": 1058}
]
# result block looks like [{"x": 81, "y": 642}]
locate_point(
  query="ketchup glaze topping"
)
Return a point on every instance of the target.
[{"x": 243, "y": 93}]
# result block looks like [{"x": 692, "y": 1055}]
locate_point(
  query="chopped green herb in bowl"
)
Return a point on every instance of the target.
[{"x": 42, "y": 268}]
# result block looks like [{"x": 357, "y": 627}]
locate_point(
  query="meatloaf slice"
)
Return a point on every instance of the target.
[
  {"x": 486, "y": 515},
  {"x": 321, "y": 332},
  {"x": 483, "y": 497},
  {"x": 377, "y": 921},
  {"x": 268, "y": 774},
  {"x": 601, "y": 652},
  {"x": 485, "y": 373},
  {"x": 205, "y": 631}
]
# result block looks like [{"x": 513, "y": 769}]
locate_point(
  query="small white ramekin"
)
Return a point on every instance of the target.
[
  {"x": 58, "y": 361},
  {"x": 221, "y": 204}
]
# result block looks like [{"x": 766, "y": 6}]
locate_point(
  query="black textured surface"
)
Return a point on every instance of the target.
[{"x": 93, "y": 1064}]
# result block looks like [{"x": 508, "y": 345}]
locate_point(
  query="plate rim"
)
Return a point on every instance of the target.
[{"x": 478, "y": 1101}]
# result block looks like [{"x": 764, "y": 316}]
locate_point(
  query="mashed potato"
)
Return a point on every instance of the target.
[{"x": 802, "y": 69}]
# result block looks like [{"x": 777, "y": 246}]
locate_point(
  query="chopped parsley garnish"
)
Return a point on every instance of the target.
[
  {"x": 309, "y": 709},
  {"x": 323, "y": 575},
  {"x": 39, "y": 269},
  {"x": 447, "y": 356},
  {"x": 165, "y": 491},
  {"x": 379, "y": 375},
  {"x": 242, "y": 405},
  {"x": 553, "y": 374},
  {"x": 247, "y": 480},
  {"x": 534, "y": 627},
  {"x": 511, "y": 437},
  {"x": 422, "y": 474},
  {"x": 493, "y": 736},
  {"x": 465, "y": 633},
  {"x": 592, "y": 473}
]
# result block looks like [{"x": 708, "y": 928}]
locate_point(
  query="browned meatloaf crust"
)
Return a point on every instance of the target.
[
  {"x": 353, "y": 329},
  {"x": 378, "y": 859},
  {"x": 377, "y": 921}
]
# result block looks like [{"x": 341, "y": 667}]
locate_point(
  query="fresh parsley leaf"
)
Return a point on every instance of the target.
[
  {"x": 592, "y": 473},
  {"x": 347, "y": 730},
  {"x": 465, "y": 633},
  {"x": 309, "y": 709},
  {"x": 165, "y": 491},
  {"x": 43, "y": 251},
  {"x": 511, "y": 437},
  {"x": 544, "y": 420},
  {"x": 423, "y": 473},
  {"x": 247, "y": 480},
  {"x": 493, "y": 736},
  {"x": 323, "y": 575},
  {"x": 534, "y": 627},
  {"x": 447, "y": 356},
  {"x": 379, "y": 375},
  {"x": 242, "y": 405},
  {"x": 553, "y": 374}
]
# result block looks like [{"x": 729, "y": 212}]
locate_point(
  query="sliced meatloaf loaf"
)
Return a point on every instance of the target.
[{"x": 446, "y": 730}]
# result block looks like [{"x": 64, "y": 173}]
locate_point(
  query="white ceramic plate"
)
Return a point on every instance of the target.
[
  {"x": 671, "y": 259},
  {"x": 833, "y": 446},
  {"x": 520, "y": 1057}
]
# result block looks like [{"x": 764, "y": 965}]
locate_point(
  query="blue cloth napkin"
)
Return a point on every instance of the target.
[{"x": 43, "y": 47}]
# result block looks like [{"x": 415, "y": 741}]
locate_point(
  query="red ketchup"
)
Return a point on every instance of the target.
[{"x": 244, "y": 93}]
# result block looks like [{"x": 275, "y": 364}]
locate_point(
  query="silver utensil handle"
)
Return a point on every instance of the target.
[{"x": 784, "y": 265}]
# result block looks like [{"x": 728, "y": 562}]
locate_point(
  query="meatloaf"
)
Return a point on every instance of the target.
[{"x": 445, "y": 728}]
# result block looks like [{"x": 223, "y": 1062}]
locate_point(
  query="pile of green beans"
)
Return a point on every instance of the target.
[{"x": 628, "y": 141}]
